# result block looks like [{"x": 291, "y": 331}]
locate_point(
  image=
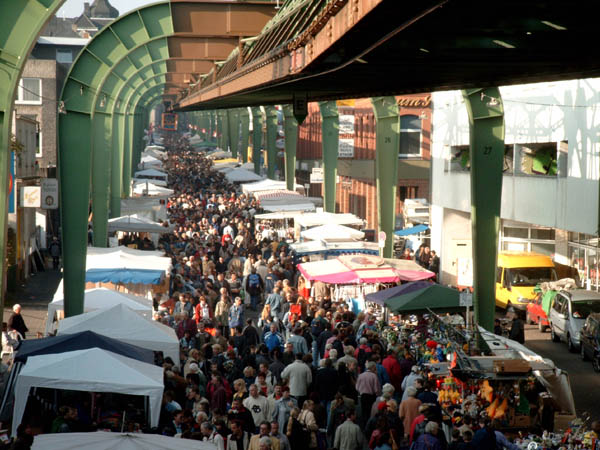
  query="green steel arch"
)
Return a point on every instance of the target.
[
  {"x": 107, "y": 62},
  {"x": 20, "y": 25}
]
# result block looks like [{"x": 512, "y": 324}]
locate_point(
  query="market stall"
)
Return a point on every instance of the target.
[
  {"x": 150, "y": 189},
  {"x": 332, "y": 231},
  {"x": 152, "y": 208},
  {"x": 150, "y": 162},
  {"x": 324, "y": 249},
  {"x": 124, "y": 324},
  {"x": 94, "y": 299},
  {"x": 135, "y": 223},
  {"x": 103, "y": 440},
  {"x": 310, "y": 220},
  {"x": 151, "y": 174},
  {"x": 80, "y": 370},
  {"x": 267, "y": 185}
]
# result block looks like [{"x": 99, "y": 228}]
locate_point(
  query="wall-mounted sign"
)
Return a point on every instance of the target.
[
  {"x": 346, "y": 148},
  {"x": 49, "y": 193},
  {"x": 414, "y": 102},
  {"x": 31, "y": 197},
  {"x": 346, "y": 123},
  {"x": 316, "y": 175}
]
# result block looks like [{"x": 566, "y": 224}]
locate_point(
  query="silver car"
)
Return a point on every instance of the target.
[{"x": 568, "y": 313}]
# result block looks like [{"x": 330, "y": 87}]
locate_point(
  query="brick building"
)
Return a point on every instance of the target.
[{"x": 356, "y": 188}]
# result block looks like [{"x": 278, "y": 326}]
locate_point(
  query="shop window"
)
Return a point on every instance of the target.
[
  {"x": 514, "y": 232},
  {"x": 546, "y": 234},
  {"x": 460, "y": 158},
  {"x": 544, "y": 249},
  {"x": 29, "y": 91},
  {"x": 410, "y": 136},
  {"x": 543, "y": 159}
]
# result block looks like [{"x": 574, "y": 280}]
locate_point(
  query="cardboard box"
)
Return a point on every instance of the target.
[
  {"x": 562, "y": 421},
  {"x": 511, "y": 366}
]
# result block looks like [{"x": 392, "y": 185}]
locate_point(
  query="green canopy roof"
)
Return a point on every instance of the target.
[{"x": 434, "y": 297}]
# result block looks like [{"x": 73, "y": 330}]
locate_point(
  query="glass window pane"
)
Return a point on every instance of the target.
[
  {"x": 540, "y": 233},
  {"x": 544, "y": 249},
  {"x": 410, "y": 143},
  {"x": 64, "y": 56},
  {"x": 31, "y": 89},
  {"x": 513, "y": 232},
  {"x": 410, "y": 122},
  {"x": 514, "y": 246}
]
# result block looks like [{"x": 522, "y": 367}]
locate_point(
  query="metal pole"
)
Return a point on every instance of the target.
[
  {"x": 330, "y": 126},
  {"x": 291, "y": 143},
  {"x": 271, "y": 140}
]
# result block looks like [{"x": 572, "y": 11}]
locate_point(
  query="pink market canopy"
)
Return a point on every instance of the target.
[
  {"x": 409, "y": 270},
  {"x": 349, "y": 269}
]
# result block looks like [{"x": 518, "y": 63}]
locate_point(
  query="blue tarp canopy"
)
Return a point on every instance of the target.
[
  {"x": 143, "y": 276},
  {"x": 380, "y": 297},
  {"x": 412, "y": 230},
  {"x": 81, "y": 341}
]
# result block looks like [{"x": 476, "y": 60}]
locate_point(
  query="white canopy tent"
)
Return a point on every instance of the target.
[
  {"x": 266, "y": 185},
  {"x": 322, "y": 218},
  {"x": 161, "y": 183},
  {"x": 332, "y": 231},
  {"x": 126, "y": 258},
  {"x": 147, "y": 173},
  {"x": 276, "y": 205},
  {"x": 149, "y": 162},
  {"x": 150, "y": 189},
  {"x": 241, "y": 176},
  {"x": 134, "y": 223},
  {"x": 93, "y": 370},
  {"x": 124, "y": 324},
  {"x": 149, "y": 207},
  {"x": 160, "y": 148},
  {"x": 218, "y": 153},
  {"x": 99, "y": 298},
  {"x": 103, "y": 440}
]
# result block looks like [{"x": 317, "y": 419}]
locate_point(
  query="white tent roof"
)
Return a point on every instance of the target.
[
  {"x": 93, "y": 370},
  {"x": 241, "y": 175},
  {"x": 332, "y": 231},
  {"x": 126, "y": 258},
  {"x": 150, "y": 173},
  {"x": 219, "y": 154},
  {"x": 99, "y": 298},
  {"x": 149, "y": 161},
  {"x": 149, "y": 207},
  {"x": 144, "y": 180},
  {"x": 151, "y": 189},
  {"x": 136, "y": 224},
  {"x": 265, "y": 185},
  {"x": 104, "y": 440},
  {"x": 321, "y": 218},
  {"x": 288, "y": 204},
  {"x": 120, "y": 322},
  {"x": 160, "y": 148}
]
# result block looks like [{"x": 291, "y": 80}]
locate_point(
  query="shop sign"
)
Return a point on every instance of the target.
[
  {"x": 49, "y": 193},
  {"x": 316, "y": 176},
  {"x": 465, "y": 299},
  {"x": 414, "y": 102},
  {"x": 346, "y": 124},
  {"x": 346, "y": 148},
  {"x": 31, "y": 197}
]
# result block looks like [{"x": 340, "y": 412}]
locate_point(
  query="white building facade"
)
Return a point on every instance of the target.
[{"x": 550, "y": 187}]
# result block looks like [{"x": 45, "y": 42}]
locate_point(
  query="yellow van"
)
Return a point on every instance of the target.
[{"x": 517, "y": 274}]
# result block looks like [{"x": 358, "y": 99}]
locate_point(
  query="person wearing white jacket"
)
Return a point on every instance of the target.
[{"x": 258, "y": 405}]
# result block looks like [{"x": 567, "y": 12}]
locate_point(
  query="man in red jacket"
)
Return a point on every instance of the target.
[{"x": 394, "y": 370}]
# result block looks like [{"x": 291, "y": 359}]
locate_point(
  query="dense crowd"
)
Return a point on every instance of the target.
[{"x": 266, "y": 362}]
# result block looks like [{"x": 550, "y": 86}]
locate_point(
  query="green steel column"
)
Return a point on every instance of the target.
[
  {"x": 486, "y": 129},
  {"x": 101, "y": 164},
  {"x": 330, "y": 126},
  {"x": 74, "y": 161},
  {"x": 116, "y": 172},
  {"x": 128, "y": 167},
  {"x": 271, "y": 112},
  {"x": 245, "y": 133},
  {"x": 233, "y": 116},
  {"x": 386, "y": 165},
  {"x": 213, "y": 125},
  {"x": 225, "y": 129},
  {"x": 138, "y": 140},
  {"x": 291, "y": 143},
  {"x": 257, "y": 120}
]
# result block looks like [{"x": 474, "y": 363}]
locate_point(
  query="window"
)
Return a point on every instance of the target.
[
  {"x": 410, "y": 136},
  {"x": 64, "y": 56},
  {"x": 30, "y": 91},
  {"x": 499, "y": 274},
  {"x": 38, "y": 135}
]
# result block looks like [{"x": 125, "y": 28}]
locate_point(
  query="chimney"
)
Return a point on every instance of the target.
[{"x": 86, "y": 9}]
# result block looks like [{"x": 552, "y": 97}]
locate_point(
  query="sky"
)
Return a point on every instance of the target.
[{"x": 74, "y": 8}]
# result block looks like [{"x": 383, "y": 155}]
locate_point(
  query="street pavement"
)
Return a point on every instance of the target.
[
  {"x": 34, "y": 296},
  {"x": 585, "y": 382}
]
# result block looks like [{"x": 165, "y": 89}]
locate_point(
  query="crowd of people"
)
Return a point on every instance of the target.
[{"x": 266, "y": 363}]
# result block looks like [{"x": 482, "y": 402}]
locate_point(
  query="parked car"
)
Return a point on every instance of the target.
[
  {"x": 568, "y": 314},
  {"x": 590, "y": 340},
  {"x": 518, "y": 274},
  {"x": 536, "y": 315}
]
